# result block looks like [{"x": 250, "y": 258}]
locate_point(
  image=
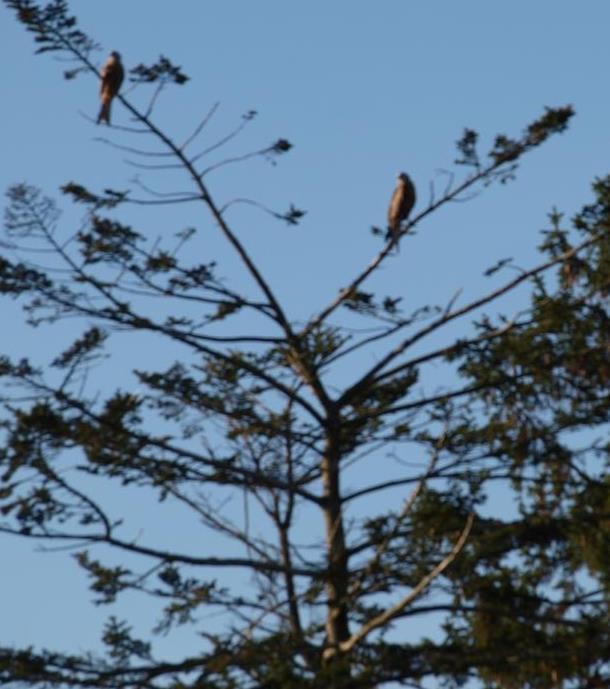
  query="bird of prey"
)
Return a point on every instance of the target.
[
  {"x": 112, "y": 74},
  {"x": 403, "y": 200}
]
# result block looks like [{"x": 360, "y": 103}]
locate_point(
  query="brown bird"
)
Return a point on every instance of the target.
[
  {"x": 112, "y": 74},
  {"x": 403, "y": 200}
]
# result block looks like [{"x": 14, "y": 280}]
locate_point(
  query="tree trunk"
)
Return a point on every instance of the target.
[{"x": 337, "y": 626}]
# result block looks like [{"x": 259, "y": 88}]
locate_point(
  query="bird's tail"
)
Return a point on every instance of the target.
[
  {"x": 104, "y": 114},
  {"x": 393, "y": 233}
]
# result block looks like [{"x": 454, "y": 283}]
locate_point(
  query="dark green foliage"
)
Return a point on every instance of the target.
[
  {"x": 293, "y": 215},
  {"x": 162, "y": 71},
  {"x": 53, "y": 27},
  {"x": 122, "y": 647},
  {"x": 467, "y": 146},
  {"x": 282, "y": 146},
  {"x": 80, "y": 194}
]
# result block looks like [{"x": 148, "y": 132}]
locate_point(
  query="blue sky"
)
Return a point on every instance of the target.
[{"x": 362, "y": 90}]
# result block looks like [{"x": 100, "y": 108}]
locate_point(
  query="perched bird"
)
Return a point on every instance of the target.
[
  {"x": 112, "y": 77},
  {"x": 403, "y": 200}
]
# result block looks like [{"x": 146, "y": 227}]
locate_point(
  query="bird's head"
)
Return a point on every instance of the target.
[
  {"x": 114, "y": 54},
  {"x": 402, "y": 177}
]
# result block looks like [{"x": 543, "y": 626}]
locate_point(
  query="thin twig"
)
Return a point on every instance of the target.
[{"x": 201, "y": 125}]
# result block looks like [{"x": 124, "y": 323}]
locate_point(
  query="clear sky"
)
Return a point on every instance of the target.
[{"x": 362, "y": 89}]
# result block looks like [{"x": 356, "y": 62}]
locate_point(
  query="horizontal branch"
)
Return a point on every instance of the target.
[{"x": 268, "y": 567}]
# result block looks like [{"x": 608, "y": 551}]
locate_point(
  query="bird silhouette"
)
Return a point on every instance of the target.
[
  {"x": 403, "y": 200},
  {"x": 112, "y": 74}
]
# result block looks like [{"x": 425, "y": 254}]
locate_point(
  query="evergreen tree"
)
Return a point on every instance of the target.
[{"x": 329, "y": 595}]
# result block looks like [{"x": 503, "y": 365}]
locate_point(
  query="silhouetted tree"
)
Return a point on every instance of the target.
[{"x": 334, "y": 582}]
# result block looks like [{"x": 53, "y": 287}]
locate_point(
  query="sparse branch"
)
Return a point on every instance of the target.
[
  {"x": 211, "y": 516},
  {"x": 124, "y": 316},
  {"x": 465, "y": 391},
  {"x": 161, "y": 194},
  {"x": 429, "y": 356},
  {"x": 461, "y": 344},
  {"x": 235, "y": 159},
  {"x": 390, "y": 613},
  {"x": 224, "y": 140},
  {"x": 80, "y": 495},
  {"x": 372, "y": 377},
  {"x": 162, "y": 202},
  {"x": 156, "y": 93},
  {"x": 131, "y": 149},
  {"x": 376, "y": 262},
  {"x": 199, "y": 128},
  {"x": 250, "y": 477},
  {"x": 153, "y": 166},
  {"x": 188, "y": 165},
  {"x": 310, "y": 376},
  {"x": 408, "y": 504},
  {"x": 224, "y": 293},
  {"x": 266, "y": 566}
]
